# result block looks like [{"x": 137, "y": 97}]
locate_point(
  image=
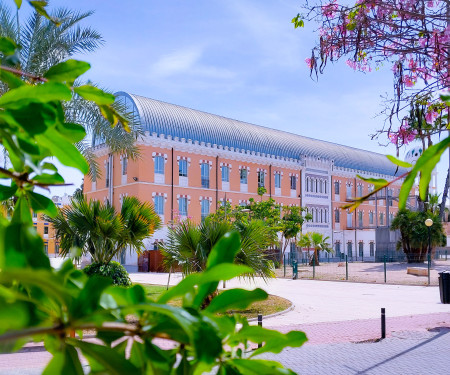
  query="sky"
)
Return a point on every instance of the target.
[{"x": 241, "y": 59}]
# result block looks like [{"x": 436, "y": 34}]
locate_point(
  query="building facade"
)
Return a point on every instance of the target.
[{"x": 192, "y": 161}]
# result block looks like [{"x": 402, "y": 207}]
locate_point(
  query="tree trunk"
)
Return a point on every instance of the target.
[{"x": 314, "y": 259}]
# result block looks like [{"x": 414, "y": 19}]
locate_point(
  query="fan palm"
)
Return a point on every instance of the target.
[
  {"x": 97, "y": 229},
  {"x": 44, "y": 44},
  {"x": 189, "y": 245},
  {"x": 316, "y": 241}
]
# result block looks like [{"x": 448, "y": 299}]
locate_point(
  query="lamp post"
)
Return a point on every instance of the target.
[{"x": 429, "y": 223}]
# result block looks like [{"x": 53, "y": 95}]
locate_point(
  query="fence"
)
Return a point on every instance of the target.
[{"x": 348, "y": 269}]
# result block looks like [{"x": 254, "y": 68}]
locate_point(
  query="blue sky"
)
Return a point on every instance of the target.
[{"x": 236, "y": 58}]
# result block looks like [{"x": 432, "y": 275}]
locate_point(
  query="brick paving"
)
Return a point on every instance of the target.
[{"x": 412, "y": 352}]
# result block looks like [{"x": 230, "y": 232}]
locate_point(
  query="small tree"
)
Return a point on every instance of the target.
[
  {"x": 291, "y": 226},
  {"x": 316, "y": 241},
  {"x": 97, "y": 229},
  {"x": 414, "y": 233}
]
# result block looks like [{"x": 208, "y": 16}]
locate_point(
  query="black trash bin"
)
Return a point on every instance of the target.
[{"x": 444, "y": 286}]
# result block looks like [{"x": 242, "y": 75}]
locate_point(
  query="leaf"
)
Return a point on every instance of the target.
[
  {"x": 73, "y": 132},
  {"x": 22, "y": 212},
  {"x": 18, "y": 3},
  {"x": 62, "y": 149},
  {"x": 259, "y": 367},
  {"x": 377, "y": 182},
  {"x": 7, "y": 192},
  {"x": 39, "y": 6},
  {"x": 114, "y": 117},
  {"x": 44, "y": 93},
  {"x": 49, "y": 179},
  {"x": 111, "y": 361},
  {"x": 65, "y": 362},
  {"x": 425, "y": 164},
  {"x": 88, "y": 300},
  {"x": 214, "y": 274},
  {"x": 94, "y": 94},
  {"x": 399, "y": 162},
  {"x": 225, "y": 250},
  {"x": 235, "y": 299},
  {"x": 39, "y": 203},
  {"x": 44, "y": 116},
  {"x": 7, "y": 46},
  {"x": 10, "y": 79},
  {"x": 67, "y": 71}
]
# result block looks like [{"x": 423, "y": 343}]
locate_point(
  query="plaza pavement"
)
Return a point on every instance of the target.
[{"x": 337, "y": 318}]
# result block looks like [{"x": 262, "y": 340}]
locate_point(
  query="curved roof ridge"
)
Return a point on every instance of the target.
[{"x": 184, "y": 122}]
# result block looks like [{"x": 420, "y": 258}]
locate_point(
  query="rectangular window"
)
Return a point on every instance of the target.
[
  {"x": 34, "y": 215},
  {"x": 56, "y": 248},
  {"x": 336, "y": 187},
  {"x": 108, "y": 176},
  {"x": 360, "y": 190},
  {"x": 182, "y": 168},
  {"x": 293, "y": 183},
  {"x": 337, "y": 216},
  {"x": 243, "y": 176},
  {"x": 205, "y": 208},
  {"x": 381, "y": 219},
  {"x": 349, "y": 191},
  {"x": 372, "y": 249},
  {"x": 361, "y": 249},
  {"x": 204, "y": 168},
  {"x": 124, "y": 165},
  {"x": 182, "y": 206},
  {"x": 159, "y": 164},
  {"x": 261, "y": 179},
  {"x": 349, "y": 220},
  {"x": 46, "y": 248},
  {"x": 349, "y": 249},
  {"x": 159, "y": 204},
  {"x": 370, "y": 217},
  {"x": 225, "y": 174},
  {"x": 360, "y": 219},
  {"x": 46, "y": 229},
  {"x": 391, "y": 217},
  {"x": 337, "y": 248},
  {"x": 277, "y": 180}
]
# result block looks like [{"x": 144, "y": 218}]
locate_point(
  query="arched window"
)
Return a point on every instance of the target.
[
  {"x": 325, "y": 185},
  {"x": 307, "y": 183}
]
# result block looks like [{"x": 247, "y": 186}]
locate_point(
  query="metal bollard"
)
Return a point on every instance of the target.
[
  {"x": 260, "y": 324},
  {"x": 383, "y": 323},
  {"x": 346, "y": 267},
  {"x": 314, "y": 267},
  {"x": 429, "y": 267},
  {"x": 385, "y": 268}
]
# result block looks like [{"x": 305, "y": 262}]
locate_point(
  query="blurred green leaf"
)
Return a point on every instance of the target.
[
  {"x": 49, "y": 179},
  {"x": 10, "y": 79},
  {"x": 399, "y": 162},
  {"x": 108, "y": 358},
  {"x": 259, "y": 367},
  {"x": 7, "y": 46},
  {"x": 22, "y": 211},
  {"x": 377, "y": 182},
  {"x": 65, "y": 362},
  {"x": 65, "y": 151},
  {"x": 44, "y": 93},
  {"x": 225, "y": 250},
  {"x": 39, "y": 6},
  {"x": 67, "y": 71},
  {"x": 7, "y": 192},
  {"x": 94, "y": 94},
  {"x": 44, "y": 116},
  {"x": 39, "y": 203},
  {"x": 88, "y": 300},
  {"x": 73, "y": 132},
  {"x": 235, "y": 299}
]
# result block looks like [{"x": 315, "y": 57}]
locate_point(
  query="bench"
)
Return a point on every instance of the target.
[{"x": 418, "y": 271}]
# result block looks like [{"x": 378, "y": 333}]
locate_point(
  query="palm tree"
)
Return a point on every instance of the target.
[
  {"x": 316, "y": 241},
  {"x": 189, "y": 245},
  {"x": 44, "y": 44},
  {"x": 97, "y": 229}
]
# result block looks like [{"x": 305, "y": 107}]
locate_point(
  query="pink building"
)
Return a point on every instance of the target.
[{"x": 192, "y": 161}]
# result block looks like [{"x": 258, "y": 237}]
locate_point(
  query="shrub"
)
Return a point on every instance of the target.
[{"x": 113, "y": 270}]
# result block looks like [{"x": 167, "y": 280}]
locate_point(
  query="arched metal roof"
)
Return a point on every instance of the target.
[{"x": 170, "y": 119}]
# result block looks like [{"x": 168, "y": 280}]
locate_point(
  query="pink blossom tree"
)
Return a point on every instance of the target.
[{"x": 413, "y": 36}]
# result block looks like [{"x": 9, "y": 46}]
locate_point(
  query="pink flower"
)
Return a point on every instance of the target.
[
  {"x": 308, "y": 62},
  {"x": 403, "y": 136},
  {"x": 408, "y": 81},
  {"x": 329, "y": 10},
  {"x": 431, "y": 117}
]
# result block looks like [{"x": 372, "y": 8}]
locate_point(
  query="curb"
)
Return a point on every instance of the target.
[{"x": 290, "y": 308}]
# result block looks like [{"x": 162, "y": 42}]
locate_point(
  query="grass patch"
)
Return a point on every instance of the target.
[{"x": 271, "y": 305}]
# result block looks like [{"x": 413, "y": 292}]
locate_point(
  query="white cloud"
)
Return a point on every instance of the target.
[{"x": 178, "y": 62}]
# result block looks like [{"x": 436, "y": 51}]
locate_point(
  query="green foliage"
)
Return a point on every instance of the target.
[
  {"x": 414, "y": 233},
  {"x": 39, "y": 303},
  {"x": 317, "y": 242},
  {"x": 99, "y": 230},
  {"x": 189, "y": 245},
  {"x": 113, "y": 270}
]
